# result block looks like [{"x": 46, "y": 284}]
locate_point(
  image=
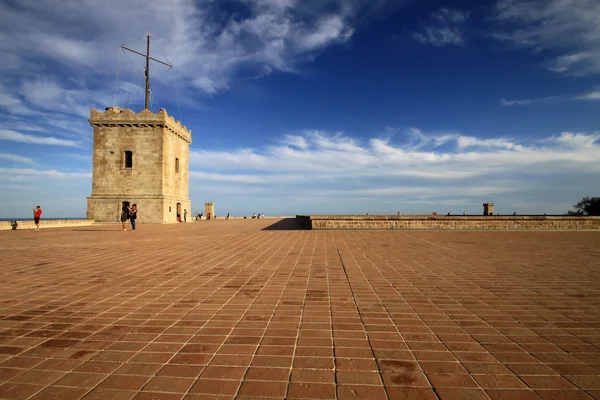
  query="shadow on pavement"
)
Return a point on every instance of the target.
[{"x": 286, "y": 224}]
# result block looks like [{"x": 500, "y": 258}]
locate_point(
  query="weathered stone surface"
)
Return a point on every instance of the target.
[
  {"x": 53, "y": 223},
  {"x": 154, "y": 181},
  {"x": 449, "y": 222},
  {"x": 209, "y": 209}
]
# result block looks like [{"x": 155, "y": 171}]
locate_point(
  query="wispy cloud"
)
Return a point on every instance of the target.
[
  {"x": 316, "y": 171},
  {"x": 337, "y": 158},
  {"x": 589, "y": 96},
  {"x": 212, "y": 45},
  {"x": 529, "y": 102},
  {"x": 569, "y": 27},
  {"x": 207, "y": 47},
  {"x": 6, "y": 134},
  {"x": 443, "y": 28},
  {"x": 16, "y": 158},
  {"x": 21, "y": 174},
  {"x": 333, "y": 172},
  {"x": 593, "y": 95}
]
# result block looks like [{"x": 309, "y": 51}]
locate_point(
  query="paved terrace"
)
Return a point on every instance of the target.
[{"x": 225, "y": 309}]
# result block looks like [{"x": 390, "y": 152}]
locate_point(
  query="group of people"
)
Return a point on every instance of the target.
[
  {"x": 259, "y": 215},
  {"x": 129, "y": 213}
]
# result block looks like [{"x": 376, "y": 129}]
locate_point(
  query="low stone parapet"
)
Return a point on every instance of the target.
[
  {"x": 48, "y": 223},
  {"x": 220, "y": 217},
  {"x": 457, "y": 222}
]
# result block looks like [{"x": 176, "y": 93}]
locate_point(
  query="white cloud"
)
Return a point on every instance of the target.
[
  {"x": 337, "y": 159},
  {"x": 6, "y": 134},
  {"x": 325, "y": 172},
  {"x": 443, "y": 28},
  {"x": 296, "y": 141},
  {"x": 316, "y": 171},
  {"x": 528, "y": 102},
  {"x": 16, "y": 158},
  {"x": 593, "y": 95},
  {"x": 20, "y": 174},
  {"x": 569, "y": 27},
  {"x": 210, "y": 46},
  {"x": 206, "y": 47},
  {"x": 589, "y": 96}
]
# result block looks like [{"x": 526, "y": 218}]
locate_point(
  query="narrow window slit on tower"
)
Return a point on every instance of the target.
[
  {"x": 177, "y": 165},
  {"x": 128, "y": 159}
]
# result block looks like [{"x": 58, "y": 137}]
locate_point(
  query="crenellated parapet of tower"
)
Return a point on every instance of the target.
[{"x": 120, "y": 117}]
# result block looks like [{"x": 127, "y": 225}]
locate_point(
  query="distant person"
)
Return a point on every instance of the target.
[
  {"x": 262, "y": 215},
  {"x": 124, "y": 215},
  {"x": 514, "y": 213},
  {"x": 448, "y": 213},
  {"x": 253, "y": 215},
  {"x": 184, "y": 215},
  {"x": 37, "y": 214},
  {"x": 464, "y": 213},
  {"x": 133, "y": 216},
  {"x": 227, "y": 216}
]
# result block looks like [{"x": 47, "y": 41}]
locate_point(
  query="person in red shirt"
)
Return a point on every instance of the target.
[{"x": 37, "y": 213}]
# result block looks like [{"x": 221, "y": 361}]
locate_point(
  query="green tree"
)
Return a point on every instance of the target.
[{"x": 589, "y": 206}]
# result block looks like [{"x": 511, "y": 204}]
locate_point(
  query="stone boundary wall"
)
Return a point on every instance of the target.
[
  {"x": 391, "y": 222},
  {"x": 222, "y": 217},
  {"x": 44, "y": 224}
]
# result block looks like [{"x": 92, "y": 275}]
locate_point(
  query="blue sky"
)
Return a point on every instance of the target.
[{"x": 349, "y": 106}]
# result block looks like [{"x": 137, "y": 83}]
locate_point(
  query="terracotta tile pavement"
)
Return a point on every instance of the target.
[{"x": 242, "y": 310}]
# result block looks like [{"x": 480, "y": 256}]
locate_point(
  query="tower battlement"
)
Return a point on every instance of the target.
[{"x": 124, "y": 117}]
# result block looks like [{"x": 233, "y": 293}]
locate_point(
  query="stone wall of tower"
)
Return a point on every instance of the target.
[
  {"x": 209, "y": 209},
  {"x": 155, "y": 140},
  {"x": 109, "y": 175},
  {"x": 175, "y": 150}
]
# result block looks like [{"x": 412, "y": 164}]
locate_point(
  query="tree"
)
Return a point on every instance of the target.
[{"x": 589, "y": 206}]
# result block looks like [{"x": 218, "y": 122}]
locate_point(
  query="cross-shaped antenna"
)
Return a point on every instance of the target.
[{"x": 147, "y": 70}]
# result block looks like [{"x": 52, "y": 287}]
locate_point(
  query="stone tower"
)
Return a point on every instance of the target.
[
  {"x": 139, "y": 158},
  {"x": 209, "y": 209},
  {"x": 488, "y": 208}
]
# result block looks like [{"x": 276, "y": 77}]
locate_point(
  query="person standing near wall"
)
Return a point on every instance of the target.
[
  {"x": 184, "y": 215},
  {"x": 37, "y": 213},
  {"x": 124, "y": 215},
  {"x": 133, "y": 216}
]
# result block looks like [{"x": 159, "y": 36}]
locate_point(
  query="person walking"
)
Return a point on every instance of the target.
[
  {"x": 37, "y": 213},
  {"x": 124, "y": 215},
  {"x": 133, "y": 216}
]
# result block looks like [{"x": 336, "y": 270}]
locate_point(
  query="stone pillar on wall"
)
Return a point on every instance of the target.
[
  {"x": 488, "y": 208},
  {"x": 209, "y": 209}
]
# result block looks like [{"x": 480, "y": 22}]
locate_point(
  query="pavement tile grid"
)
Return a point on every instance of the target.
[{"x": 225, "y": 310}]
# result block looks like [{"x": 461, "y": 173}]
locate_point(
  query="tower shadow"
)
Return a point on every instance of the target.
[{"x": 286, "y": 224}]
